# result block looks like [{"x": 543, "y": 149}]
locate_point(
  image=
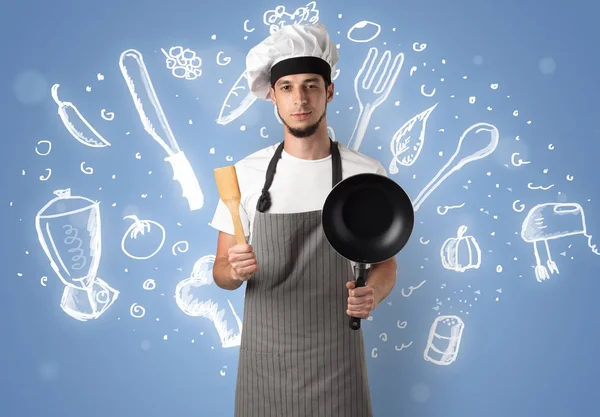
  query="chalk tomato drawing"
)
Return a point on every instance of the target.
[{"x": 152, "y": 232}]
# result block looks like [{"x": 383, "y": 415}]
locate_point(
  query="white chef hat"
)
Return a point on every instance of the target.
[{"x": 293, "y": 49}]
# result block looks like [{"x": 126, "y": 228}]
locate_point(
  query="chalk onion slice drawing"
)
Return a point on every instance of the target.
[
  {"x": 232, "y": 98},
  {"x": 68, "y": 113},
  {"x": 408, "y": 141}
]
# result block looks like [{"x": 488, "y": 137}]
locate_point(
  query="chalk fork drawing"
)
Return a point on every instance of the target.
[
  {"x": 548, "y": 221},
  {"x": 68, "y": 229},
  {"x": 190, "y": 297},
  {"x": 480, "y": 145},
  {"x": 461, "y": 252},
  {"x": 308, "y": 13},
  {"x": 370, "y": 97},
  {"x": 232, "y": 100},
  {"x": 183, "y": 63},
  {"x": 405, "y": 147},
  {"x": 444, "y": 340},
  {"x": 88, "y": 304},
  {"x": 143, "y": 228},
  {"x": 132, "y": 66},
  {"x": 67, "y": 111}
]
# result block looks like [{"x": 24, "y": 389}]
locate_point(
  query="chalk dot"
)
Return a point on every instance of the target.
[
  {"x": 30, "y": 87},
  {"x": 547, "y": 66},
  {"x": 420, "y": 392}
]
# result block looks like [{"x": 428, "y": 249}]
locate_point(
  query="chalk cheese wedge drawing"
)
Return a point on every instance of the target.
[
  {"x": 131, "y": 63},
  {"x": 82, "y": 131},
  {"x": 233, "y": 107},
  {"x": 191, "y": 298},
  {"x": 407, "y": 142}
]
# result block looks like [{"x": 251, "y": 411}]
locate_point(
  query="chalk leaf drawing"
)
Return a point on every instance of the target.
[
  {"x": 477, "y": 142},
  {"x": 69, "y": 231},
  {"x": 191, "y": 298},
  {"x": 308, "y": 13},
  {"x": 444, "y": 340},
  {"x": 548, "y": 221},
  {"x": 406, "y": 144},
  {"x": 233, "y": 105},
  {"x": 133, "y": 69},
  {"x": 76, "y": 124},
  {"x": 88, "y": 304},
  {"x": 370, "y": 96},
  {"x": 183, "y": 63},
  {"x": 461, "y": 252},
  {"x": 152, "y": 231}
]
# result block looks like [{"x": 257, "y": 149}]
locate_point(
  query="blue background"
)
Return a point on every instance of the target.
[{"x": 528, "y": 348}]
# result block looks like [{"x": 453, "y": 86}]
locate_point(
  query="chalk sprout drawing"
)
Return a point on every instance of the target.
[
  {"x": 146, "y": 229},
  {"x": 480, "y": 145},
  {"x": 549, "y": 221},
  {"x": 76, "y": 124},
  {"x": 306, "y": 14},
  {"x": 443, "y": 342},
  {"x": 191, "y": 299},
  {"x": 406, "y": 145},
  {"x": 461, "y": 252},
  {"x": 183, "y": 63},
  {"x": 371, "y": 96},
  {"x": 69, "y": 231},
  {"x": 132, "y": 67}
]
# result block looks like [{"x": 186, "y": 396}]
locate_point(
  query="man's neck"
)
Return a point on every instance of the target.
[{"x": 313, "y": 147}]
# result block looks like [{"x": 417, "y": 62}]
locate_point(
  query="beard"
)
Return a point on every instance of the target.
[{"x": 303, "y": 132}]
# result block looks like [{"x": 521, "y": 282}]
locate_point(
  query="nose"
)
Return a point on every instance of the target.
[{"x": 300, "y": 97}]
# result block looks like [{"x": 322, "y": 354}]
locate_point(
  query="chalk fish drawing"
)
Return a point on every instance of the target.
[
  {"x": 371, "y": 96},
  {"x": 191, "y": 299},
  {"x": 548, "y": 221},
  {"x": 131, "y": 63},
  {"x": 444, "y": 340},
  {"x": 480, "y": 146}
]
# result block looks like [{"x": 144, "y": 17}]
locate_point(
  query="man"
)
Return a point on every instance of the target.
[{"x": 298, "y": 355}]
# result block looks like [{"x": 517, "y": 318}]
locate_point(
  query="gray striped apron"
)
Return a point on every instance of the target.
[{"x": 298, "y": 355}]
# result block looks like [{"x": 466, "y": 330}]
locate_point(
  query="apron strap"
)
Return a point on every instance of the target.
[{"x": 264, "y": 201}]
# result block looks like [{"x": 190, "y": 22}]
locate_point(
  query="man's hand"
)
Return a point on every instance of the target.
[
  {"x": 361, "y": 300},
  {"x": 243, "y": 262}
]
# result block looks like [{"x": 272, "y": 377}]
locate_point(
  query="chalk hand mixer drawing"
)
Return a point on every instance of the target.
[{"x": 132, "y": 66}]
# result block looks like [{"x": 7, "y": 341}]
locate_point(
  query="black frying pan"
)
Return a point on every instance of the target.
[{"x": 367, "y": 218}]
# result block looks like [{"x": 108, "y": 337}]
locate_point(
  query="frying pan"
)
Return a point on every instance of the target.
[{"x": 367, "y": 218}]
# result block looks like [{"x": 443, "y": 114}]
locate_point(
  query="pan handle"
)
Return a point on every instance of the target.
[{"x": 361, "y": 272}]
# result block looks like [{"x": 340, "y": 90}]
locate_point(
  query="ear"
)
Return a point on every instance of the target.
[
  {"x": 272, "y": 95},
  {"x": 330, "y": 92}
]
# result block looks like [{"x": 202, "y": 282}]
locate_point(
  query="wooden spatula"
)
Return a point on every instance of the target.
[{"x": 229, "y": 191}]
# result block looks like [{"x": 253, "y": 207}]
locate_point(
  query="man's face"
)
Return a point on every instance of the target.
[{"x": 301, "y": 101}]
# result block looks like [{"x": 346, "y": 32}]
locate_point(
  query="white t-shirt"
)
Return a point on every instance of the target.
[{"x": 299, "y": 185}]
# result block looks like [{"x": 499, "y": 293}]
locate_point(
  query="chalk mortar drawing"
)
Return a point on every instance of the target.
[
  {"x": 76, "y": 124},
  {"x": 444, "y": 339},
  {"x": 549, "y": 221},
  {"x": 371, "y": 96},
  {"x": 69, "y": 231},
  {"x": 132, "y": 67},
  {"x": 461, "y": 252},
  {"x": 148, "y": 229},
  {"x": 191, "y": 298},
  {"x": 480, "y": 145},
  {"x": 183, "y": 63},
  {"x": 408, "y": 141}
]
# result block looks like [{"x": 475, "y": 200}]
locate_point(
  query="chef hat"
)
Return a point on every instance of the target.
[{"x": 293, "y": 49}]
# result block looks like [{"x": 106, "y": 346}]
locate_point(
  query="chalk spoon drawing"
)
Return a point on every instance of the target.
[
  {"x": 131, "y": 63},
  {"x": 69, "y": 231},
  {"x": 371, "y": 96},
  {"x": 85, "y": 133},
  {"x": 143, "y": 228},
  {"x": 548, "y": 221},
  {"x": 443, "y": 342},
  {"x": 482, "y": 139},
  {"x": 191, "y": 299},
  {"x": 407, "y": 142}
]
